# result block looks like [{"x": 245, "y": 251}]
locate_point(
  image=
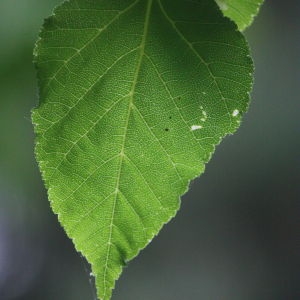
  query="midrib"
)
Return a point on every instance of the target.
[{"x": 130, "y": 105}]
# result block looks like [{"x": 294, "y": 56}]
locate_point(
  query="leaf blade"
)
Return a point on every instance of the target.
[
  {"x": 118, "y": 138},
  {"x": 242, "y": 12}
]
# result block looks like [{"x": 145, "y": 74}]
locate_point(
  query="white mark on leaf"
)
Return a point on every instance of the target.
[
  {"x": 222, "y": 4},
  {"x": 235, "y": 112},
  {"x": 195, "y": 127}
]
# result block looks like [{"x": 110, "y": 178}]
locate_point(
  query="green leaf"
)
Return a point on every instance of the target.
[
  {"x": 134, "y": 96},
  {"x": 242, "y": 12}
]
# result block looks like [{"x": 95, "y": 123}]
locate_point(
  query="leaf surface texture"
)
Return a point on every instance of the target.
[{"x": 134, "y": 96}]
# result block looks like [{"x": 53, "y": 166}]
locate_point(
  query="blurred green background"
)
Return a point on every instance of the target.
[{"x": 237, "y": 235}]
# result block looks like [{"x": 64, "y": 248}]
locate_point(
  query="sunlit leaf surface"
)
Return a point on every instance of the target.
[{"x": 242, "y": 12}]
